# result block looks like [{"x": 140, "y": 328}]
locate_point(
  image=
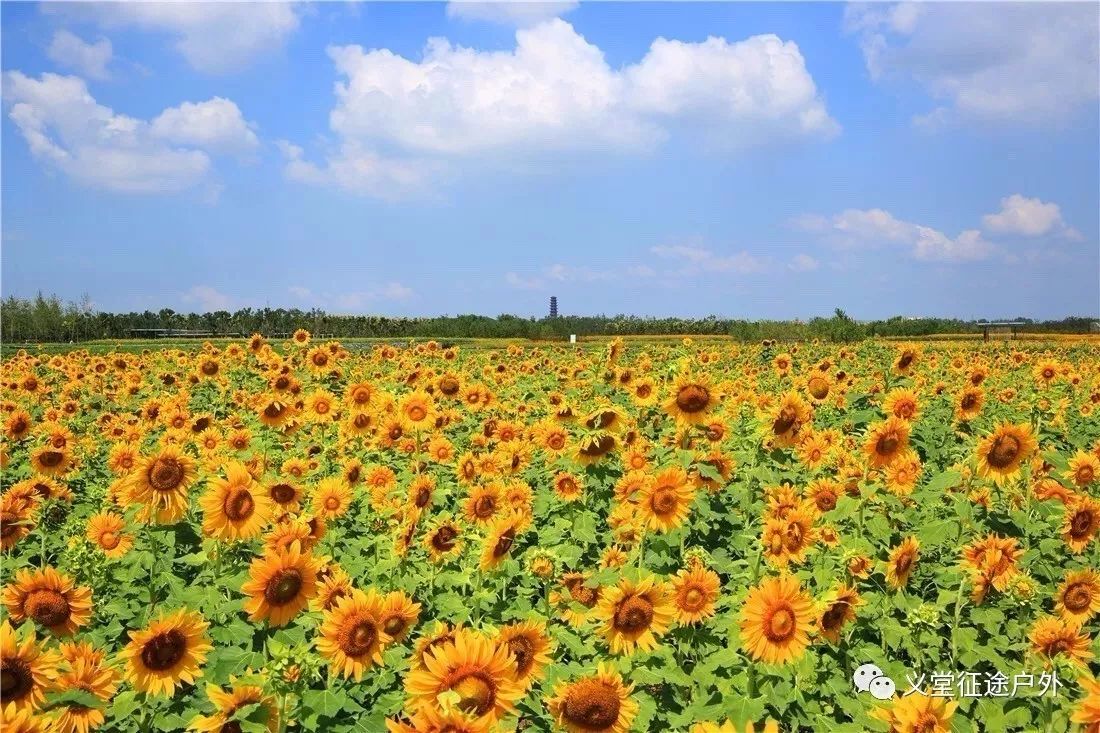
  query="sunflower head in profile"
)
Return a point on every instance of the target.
[
  {"x": 907, "y": 358},
  {"x": 836, "y": 610},
  {"x": 529, "y": 646},
  {"x": 281, "y": 583},
  {"x": 1003, "y": 452},
  {"x": 728, "y": 726},
  {"x": 160, "y": 482},
  {"x": 594, "y": 446},
  {"x": 15, "y": 520},
  {"x": 919, "y": 712},
  {"x": 27, "y": 669},
  {"x": 665, "y": 502},
  {"x": 692, "y": 399},
  {"x": 50, "y": 599},
  {"x": 886, "y": 442},
  {"x": 234, "y": 507},
  {"x": 85, "y": 671},
  {"x": 352, "y": 635},
  {"x": 1052, "y": 637},
  {"x": 600, "y": 703},
  {"x": 901, "y": 562},
  {"x": 776, "y": 620},
  {"x": 167, "y": 653},
  {"x": 399, "y": 614},
  {"x": 228, "y": 702},
  {"x": 634, "y": 614},
  {"x": 783, "y": 424},
  {"x": 501, "y": 539},
  {"x": 480, "y": 674}
]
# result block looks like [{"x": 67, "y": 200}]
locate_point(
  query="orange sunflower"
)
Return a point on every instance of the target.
[
  {"x": 281, "y": 583},
  {"x": 51, "y": 599},
  {"x": 169, "y": 652}
]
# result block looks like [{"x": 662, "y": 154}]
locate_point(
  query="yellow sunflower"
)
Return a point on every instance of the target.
[
  {"x": 692, "y": 399},
  {"x": 901, "y": 562},
  {"x": 917, "y": 712},
  {"x": 1001, "y": 453},
  {"x": 600, "y": 703},
  {"x": 694, "y": 591},
  {"x": 51, "y": 599},
  {"x": 634, "y": 613},
  {"x": 160, "y": 482},
  {"x": 28, "y": 670},
  {"x": 228, "y": 702},
  {"x": 480, "y": 673},
  {"x": 86, "y": 672},
  {"x": 234, "y": 507},
  {"x": 665, "y": 502},
  {"x": 776, "y": 620},
  {"x": 1078, "y": 597},
  {"x": 281, "y": 583},
  {"x": 331, "y": 498},
  {"x": 529, "y": 646},
  {"x": 1052, "y": 637},
  {"x": 352, "y": 636},
  {"x": 169, "y": 652},
  {"x": 105, "y": 530},
  {"x": 886, "y": 442}
]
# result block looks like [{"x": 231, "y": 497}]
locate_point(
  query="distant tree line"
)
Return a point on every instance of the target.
[{"x": 47, "y": 318}]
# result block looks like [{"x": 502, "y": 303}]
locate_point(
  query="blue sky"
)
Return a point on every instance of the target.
[{"x": 748, "y": 160}]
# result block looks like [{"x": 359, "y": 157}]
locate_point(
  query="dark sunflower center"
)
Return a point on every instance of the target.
[
  {"x": 1004, "y": 451},
  {"x": 819, "y": 388},
  {"x": 693, "y": 398},
  {"x": 1077, "y": 598},
  {"x": 785, "y": 421},
  {"x": 283, "y": 587},
  {"x": 444, "y": 538},
  {"x": 8, "y": 524},
  {"x": 485, "y": 506},
  {"x": 423, "y": 496},
  {"x": 591, "y": 705},
  {"x": 47, "y": 607},
  {"x": 394, "y": 625},
  {"x": 887, "y": 445},
  {"x": 1081, "y": 524},
  {"x": 19, "y": 426},
  {"x": 523, "y": 651},
  {"x": 163, "y": 651},
  {"x": 51, "y": 458},
  {"x": 283, "y": 493},
  {"x": 16, "y": 681},
  {"x": 903, "y": 564},
  {"x": 165, "y": 474},
  {"x": 582, "y": 594},
  {"x": 109, "y": 540},
  {"x": 599, "y": 447},
  {"x": 905, "y": 361},
  {"x": 359, "y": 639},
  {"x": 833, "y": 617},
  {"x": 504, "y": 543},
  {"x": 274, "y": 410},
  {"x": 634, "y": 614},
  {"x": 448, "y": 386},
  {"x": 643, "y": 390},
  {"x": 664, "y": 501},
  {"x": 239, "y": 505},
  {"x": 781, "y": 624},
  {"x": 476, "y": 692},
  {"x": 969, "y": 402},
  {"x": 210, "y": 368}
]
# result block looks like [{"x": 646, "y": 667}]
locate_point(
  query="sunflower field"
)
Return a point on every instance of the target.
[{"x": 623, "y": 536}]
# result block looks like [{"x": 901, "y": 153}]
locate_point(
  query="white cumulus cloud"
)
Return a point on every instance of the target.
[
  {"x": 214, "y": 37},
  {"x": 1028, "y": 217},
  {"x": 555, "y": 92},
  {"x": 877, "y": 227},
  {"x": 67, "y": 129},
  {"x": 509, "y": 12},
  {"x": 69, "y": 51},
  {"x": 216, "y": 124},
  {"x": 1030, "y": 63}
]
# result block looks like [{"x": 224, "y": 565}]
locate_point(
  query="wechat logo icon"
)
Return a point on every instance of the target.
[{"x": 869, "y": 678}]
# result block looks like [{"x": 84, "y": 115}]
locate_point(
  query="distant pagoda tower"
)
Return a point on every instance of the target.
[{"x": 553, "y": 306}]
